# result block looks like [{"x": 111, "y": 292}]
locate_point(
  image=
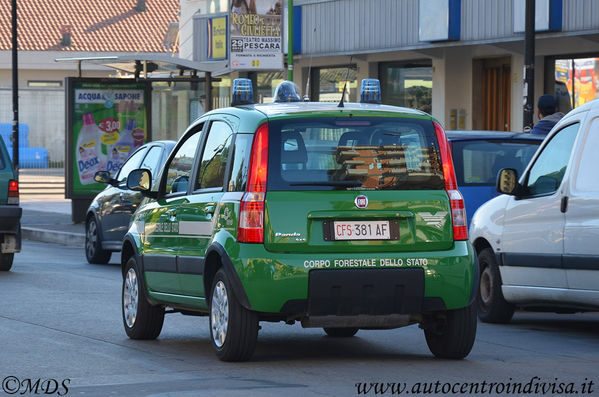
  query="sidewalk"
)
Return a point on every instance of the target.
[{"x": 49, "y": 220}]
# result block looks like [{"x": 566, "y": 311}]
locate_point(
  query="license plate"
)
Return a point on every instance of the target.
[{"x": 361, "y": 230}]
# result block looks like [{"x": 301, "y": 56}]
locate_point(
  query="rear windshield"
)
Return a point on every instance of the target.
[
  {"x": 478, "y": 162},
  {"x": 358, "y": 153}
]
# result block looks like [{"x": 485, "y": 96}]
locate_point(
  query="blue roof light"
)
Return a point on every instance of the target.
[
  {"x": 243, "y": 92},
  {"x": 287, "y": 91},
  {"x": 370, "y": 92}
]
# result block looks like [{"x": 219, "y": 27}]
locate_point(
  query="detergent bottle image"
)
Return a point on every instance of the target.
[
  {"x": 89, "y": 153},
  {"x": 121, "y": 149}
]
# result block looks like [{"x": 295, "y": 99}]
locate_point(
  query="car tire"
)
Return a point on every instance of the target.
[
  {"x": 6, "y": 261},
  {"x": 491, "y": 305},
  {"x": 93, "y": 243},
  {"x": 340, "y": 332},
  {"x": 453, "y": 334},
  {"x": 233, "y": 328},
  {"x": 140, "y": 318}
]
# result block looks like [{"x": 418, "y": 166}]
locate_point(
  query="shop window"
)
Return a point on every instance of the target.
[
  {"x": 327, "y": 84},
  {"x": 266, "y": 83},
  {"x": 407, "y": 84},
  {"x": 576, "y": 81}
]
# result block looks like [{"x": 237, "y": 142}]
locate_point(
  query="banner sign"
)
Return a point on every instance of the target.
[
  {"x": 107, "y": 123},
  {"x": 256, "y": 35},
  {"x": 217, "y": 38}
]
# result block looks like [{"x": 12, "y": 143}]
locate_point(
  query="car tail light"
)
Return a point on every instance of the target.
[
  {"x": 13, "y": 192},
  {"x": 251, "y": 212},
  {"x": 458, "y": 210}
]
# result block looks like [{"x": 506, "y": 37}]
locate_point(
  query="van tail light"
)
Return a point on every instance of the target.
[
  {"x": 13, "y": 192},
  {"x": 251, "y": 211},
  {"x": 458, "y": 210}
]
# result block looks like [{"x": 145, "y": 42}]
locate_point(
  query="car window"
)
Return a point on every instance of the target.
[
  {"x": 547, "y": 172},
  {"x": 179, "y": 169},
  {"x": 152, "y": 159},
  {"x": 129, "y": 165},
  {"x": 478, "y": 162},
  {"x": 586, "y": 177},
  {"x": 2, "y": 164},
  {"x": 366, "y": 153},
  {"x": 241, "y": 161},
  {"x": 215, "y": 156}
]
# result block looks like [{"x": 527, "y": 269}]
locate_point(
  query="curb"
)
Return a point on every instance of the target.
[{"x": 52, "y": 236}]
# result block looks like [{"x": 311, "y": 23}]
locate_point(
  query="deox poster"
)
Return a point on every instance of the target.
[
  {"x": 108, "y": 123},
  {"x": 256, "y": 37}
]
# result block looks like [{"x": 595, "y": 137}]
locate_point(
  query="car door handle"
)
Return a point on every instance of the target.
[{"x": 564, "y": 205}]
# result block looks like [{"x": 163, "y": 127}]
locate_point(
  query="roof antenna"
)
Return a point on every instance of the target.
[
  {"x": 306, "y": 93},
  {"x": 345, "y": 85}
]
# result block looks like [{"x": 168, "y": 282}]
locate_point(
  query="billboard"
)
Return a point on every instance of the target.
[
  {"x": 256, "y": 35},
  {"x": 217, "y": 38},
  {"x": 107, "y": 120}
]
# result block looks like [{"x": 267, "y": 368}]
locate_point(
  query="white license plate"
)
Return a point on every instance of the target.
[{"x": 362, "y": 230}]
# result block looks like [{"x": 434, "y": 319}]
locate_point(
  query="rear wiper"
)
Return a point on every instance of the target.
[{"x": 349, "y": 183}]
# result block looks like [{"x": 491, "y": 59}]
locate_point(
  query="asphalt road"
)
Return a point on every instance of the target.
[{"x": 60, "y": 322}]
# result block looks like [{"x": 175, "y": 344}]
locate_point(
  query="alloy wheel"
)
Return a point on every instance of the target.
[
  {"x": 91, "y": 238},
  {"x": 130, "y": 298},
  {"x": 219, "y": 313}
]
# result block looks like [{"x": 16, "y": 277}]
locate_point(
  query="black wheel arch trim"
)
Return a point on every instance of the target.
[
  {"x": 475, "y": 281},
  {"x": 227, "y": 264},
  {"x": 128, "y": 240},
  {"x": 93, "y": 212}
]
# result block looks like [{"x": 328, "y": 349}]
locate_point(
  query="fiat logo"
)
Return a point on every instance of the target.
[{"x": 361, "y": 201}]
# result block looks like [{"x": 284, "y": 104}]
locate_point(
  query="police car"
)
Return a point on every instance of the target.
[{"x": 338, "y": 216}]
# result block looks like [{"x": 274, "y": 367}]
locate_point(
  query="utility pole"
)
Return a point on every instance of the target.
[
  {"x": 15, "y": 91},
  {"x": 290, "y": 40},
  {"x": 529, "y": 65}
]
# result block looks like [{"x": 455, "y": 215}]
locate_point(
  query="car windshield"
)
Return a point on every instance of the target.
[
  {"x": 478, "y": 162},
  {"x": 358, "y": 153}
]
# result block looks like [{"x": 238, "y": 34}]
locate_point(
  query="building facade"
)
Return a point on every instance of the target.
[
  {"x": 460, "y": 60},
  {"x": 53, "y": 29}
]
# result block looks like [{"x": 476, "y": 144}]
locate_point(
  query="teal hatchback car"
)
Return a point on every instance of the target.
[{"x": 10, "y": 212}]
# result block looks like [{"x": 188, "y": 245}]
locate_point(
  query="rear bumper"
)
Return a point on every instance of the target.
[
  {"x": 357, "y": 284},
  {"x": 10, "y": 218},
  {"x": 10, "y": 228}
]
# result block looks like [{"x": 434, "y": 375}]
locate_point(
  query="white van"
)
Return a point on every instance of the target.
[{"x": 538, "y": 243}]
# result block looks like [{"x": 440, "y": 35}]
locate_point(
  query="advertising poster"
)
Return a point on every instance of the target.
[
  {"x": 256, "y": 34},
  {"x": 217, "y": 38},
  {"x": 108, "y": 123}
]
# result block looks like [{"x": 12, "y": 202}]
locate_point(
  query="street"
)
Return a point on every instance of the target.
[{"x": 60, "y": 319}]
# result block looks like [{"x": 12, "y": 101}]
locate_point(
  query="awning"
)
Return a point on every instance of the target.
[{"x": 146, "y": 65}]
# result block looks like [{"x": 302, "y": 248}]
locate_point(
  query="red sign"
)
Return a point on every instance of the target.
[{"x": 109, "y": 124}]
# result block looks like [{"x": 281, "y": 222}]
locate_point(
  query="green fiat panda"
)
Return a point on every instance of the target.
[{"x": 338, "y": 216}]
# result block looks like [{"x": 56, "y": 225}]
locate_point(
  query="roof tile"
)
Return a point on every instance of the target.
[{"x": 97, "y": 25}]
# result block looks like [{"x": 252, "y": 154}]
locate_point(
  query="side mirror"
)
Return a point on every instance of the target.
[
  {"x": 140, "y": 180},
  {"x": 507, "y": 181},
  {"x": 104, "y": 177}
]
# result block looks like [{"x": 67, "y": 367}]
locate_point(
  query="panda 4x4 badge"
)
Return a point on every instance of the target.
[{"x": 437, "y": 220}]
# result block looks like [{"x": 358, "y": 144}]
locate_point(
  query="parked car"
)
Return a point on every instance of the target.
[
  {"x": 537, "y": 243},
  {"x": 109, "y": 213},
  {"x": 337, "y": 216},
  {"x": 479, "y": 155},
  {"x": 10, "y": 212}
]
